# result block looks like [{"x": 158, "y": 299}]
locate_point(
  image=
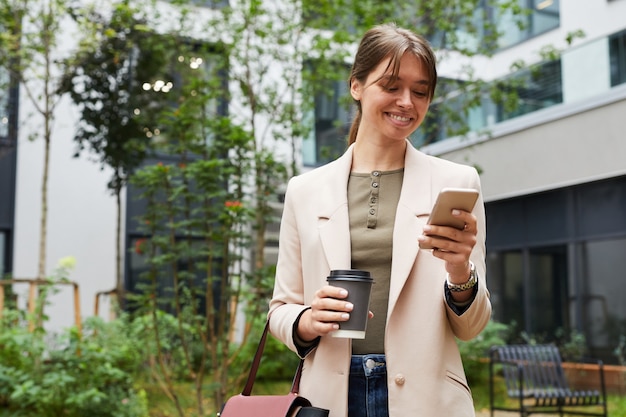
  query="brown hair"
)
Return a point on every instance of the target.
[{"x": 389, "y": 41}]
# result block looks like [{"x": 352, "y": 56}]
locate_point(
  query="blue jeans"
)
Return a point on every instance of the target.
[{"x": 367, "y": 389}]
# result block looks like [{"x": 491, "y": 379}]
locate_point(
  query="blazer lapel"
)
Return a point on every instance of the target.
[
  {"x": 333, "y": 220},
  {"x": 413, "y": 208}
]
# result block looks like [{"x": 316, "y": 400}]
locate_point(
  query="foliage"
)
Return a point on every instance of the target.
[
  {"x": 196, "y": 225},
  {"x": 210, "y": 172},
  {"x": 209, "y": 202},
  {"x": 572, "y": 344},
  {"x": 107, "y": 79},
  {"x": 475, "y": 352},
  {"x": 278, "y": 362},
  {"x": 113, "y": 80},
  {"x": 69, "y": 374}
]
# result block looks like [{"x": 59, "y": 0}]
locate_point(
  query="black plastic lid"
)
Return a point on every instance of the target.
[{"x": 349, "y": 273}]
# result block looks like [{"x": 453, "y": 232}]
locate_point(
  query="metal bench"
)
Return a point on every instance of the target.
[{"x": 534, "y": 376}]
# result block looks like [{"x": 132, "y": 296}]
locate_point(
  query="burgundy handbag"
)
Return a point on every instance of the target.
[{"x": 289, "y": 405}]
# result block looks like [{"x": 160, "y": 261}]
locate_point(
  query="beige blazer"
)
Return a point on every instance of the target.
[{"x": 425, "y": 373}]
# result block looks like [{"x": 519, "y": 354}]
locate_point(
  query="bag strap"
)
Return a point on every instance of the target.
[{"x": 247, "y": 390}]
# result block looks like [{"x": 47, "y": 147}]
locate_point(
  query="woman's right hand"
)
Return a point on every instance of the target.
[{"x": 328, "y": 308}]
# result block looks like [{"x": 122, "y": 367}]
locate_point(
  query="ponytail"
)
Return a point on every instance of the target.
[{"x": 354, "y": 128}]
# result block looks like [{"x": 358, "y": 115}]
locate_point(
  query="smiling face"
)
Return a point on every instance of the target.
[{"x": 392, "y": 107}]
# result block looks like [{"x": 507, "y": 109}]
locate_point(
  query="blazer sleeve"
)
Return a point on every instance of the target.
[{"x": 287, "y": 303}]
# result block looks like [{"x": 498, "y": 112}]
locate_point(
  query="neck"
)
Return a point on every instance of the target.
[{"x": 368, "y": 158}]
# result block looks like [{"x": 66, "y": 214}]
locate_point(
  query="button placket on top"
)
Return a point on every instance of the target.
[{"x": 372, "y": 213}]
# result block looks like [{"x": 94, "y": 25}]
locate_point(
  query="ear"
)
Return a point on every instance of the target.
[{"x": 355, "y": 89}]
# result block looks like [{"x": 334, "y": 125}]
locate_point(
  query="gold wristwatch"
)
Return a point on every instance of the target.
[{"x": 471, "y": 282}]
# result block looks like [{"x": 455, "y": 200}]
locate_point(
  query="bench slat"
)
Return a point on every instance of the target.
[{"x": 536, "y": 372}]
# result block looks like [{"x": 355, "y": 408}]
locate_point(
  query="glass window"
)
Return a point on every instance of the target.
[
  {"x": 536, "y": 88},
  {"x": 4, "y": 106},
  {"x": 617, "y": 53},
  {"x": 552, "y": 261},
  {"x": 520, "y": 281},
  {"x": 540, "y": 16},
  {"x": 525, "y": 91},
  {"x": 3, "y": 250},
  {"x": 544, "y": 17},
  {"x": 198, "y": 71},
  {"x": 141, "y": 276},
  {"x": 602, "y": 303},
  {"x": 547, "y": 286},
  {"x": 505, "y": 279},
  {"x": 332, "y": 116}
]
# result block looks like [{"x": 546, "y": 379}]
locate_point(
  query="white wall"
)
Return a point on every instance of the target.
[
  {"x": 81, "y": 211},
  {"x": 575, "y": 146}
]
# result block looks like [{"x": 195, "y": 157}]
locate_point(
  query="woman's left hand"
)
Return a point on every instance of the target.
[{"x": 452, "y": 245}]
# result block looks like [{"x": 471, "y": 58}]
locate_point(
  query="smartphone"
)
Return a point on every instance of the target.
[{"x": 447, "y": 200}]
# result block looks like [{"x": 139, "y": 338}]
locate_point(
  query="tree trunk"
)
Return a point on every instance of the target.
[
  {"x": 119, "y": 283},
  {"x": 41, "y": 273}
]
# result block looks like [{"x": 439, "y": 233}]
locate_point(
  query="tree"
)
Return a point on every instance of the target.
[
  {"x": 209, "y": 208},
  {"x": 113, "y": 79},
  {"x": 28, "y": 49}
]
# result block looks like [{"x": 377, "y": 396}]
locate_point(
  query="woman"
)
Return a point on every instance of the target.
[{"x": 368, "y": 210}]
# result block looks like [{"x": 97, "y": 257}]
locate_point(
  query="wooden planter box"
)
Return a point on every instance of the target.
[{"x": 585, "y": 376}]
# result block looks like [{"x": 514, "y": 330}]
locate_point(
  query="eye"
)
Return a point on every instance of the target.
[{"x": 420, "y": 93}]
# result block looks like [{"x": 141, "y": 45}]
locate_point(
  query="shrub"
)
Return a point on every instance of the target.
[
  {"x": 476, "y": 351},
  {"x": 69, "y": 374}
]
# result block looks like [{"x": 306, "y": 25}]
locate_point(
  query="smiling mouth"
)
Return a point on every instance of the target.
[{"x": 399, "y": 118}]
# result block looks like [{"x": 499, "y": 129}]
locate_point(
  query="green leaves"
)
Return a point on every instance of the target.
[{"x": 50, "y": 375}]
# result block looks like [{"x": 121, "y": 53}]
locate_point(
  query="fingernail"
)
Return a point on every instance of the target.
[
  {"x": 345, "y": 316},
  {"x": 455, "y": 212},
  {"x": 343, "y": 293},
  {"x": 349, "y": 306}
]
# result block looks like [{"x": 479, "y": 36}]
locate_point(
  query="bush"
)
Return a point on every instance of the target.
[
  {"x": 69, "y": 374},
  {"x": 278, "y": 362},
  {"x": 476, "y": 351}
]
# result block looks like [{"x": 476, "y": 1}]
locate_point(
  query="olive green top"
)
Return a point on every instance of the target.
[{"x": 372, "y": 203}]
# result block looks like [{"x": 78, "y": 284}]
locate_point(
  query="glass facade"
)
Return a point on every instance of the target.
[
  {"x": 541, "y": 16},
  {"x": 617, "y": 53},
  {"x": 332, "y": 118},
  {"x": 195, "y": 68},
  {"x": 141, "y": 277},
  {"x": 3, "y": 252},
  {"x": 4, "y": 105},
  {"x": 563, "y": 80},
  {"x": 553, "y": 267}
]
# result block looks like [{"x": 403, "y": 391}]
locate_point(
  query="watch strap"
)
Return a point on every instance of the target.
[{"x": 471, "y": 282}]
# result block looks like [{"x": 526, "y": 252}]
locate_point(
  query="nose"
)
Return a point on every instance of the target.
[{"x": 404, "y": 98}]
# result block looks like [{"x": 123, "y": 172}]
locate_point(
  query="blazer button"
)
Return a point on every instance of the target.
[{"x": 399, "y": 379}]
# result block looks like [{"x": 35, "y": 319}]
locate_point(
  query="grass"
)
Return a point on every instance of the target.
[
  {"x": 162, "y": 406},
  {"x": 480, "y": 390}
]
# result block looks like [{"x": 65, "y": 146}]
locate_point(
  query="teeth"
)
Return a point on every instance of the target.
[{"x": 400, "y": 118}]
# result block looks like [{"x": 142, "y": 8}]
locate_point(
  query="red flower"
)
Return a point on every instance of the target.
[
  {"x": 140, "y": 245},
  {"x": 233, "y": 204}
]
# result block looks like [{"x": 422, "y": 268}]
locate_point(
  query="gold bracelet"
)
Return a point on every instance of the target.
[{"x": 471, "y": 282}]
